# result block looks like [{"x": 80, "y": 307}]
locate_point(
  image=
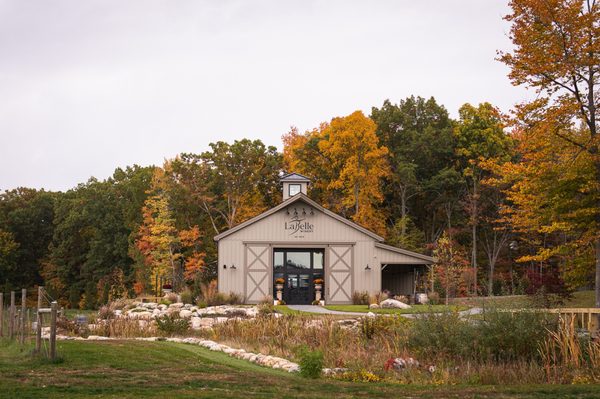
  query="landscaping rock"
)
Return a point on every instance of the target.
[
  {"x": 373, "y": 306},
  {"x": 185, "y": 314},
  {"x": 394, "y": 304}
]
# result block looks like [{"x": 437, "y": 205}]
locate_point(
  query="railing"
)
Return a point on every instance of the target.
[{"x": 586, "y": 318}]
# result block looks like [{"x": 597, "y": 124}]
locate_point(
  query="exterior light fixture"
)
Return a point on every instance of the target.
[
  {"x": 368, "y": 267},
  {"x": 233, "y": 267},
  {"x": 287, "y": 211},
  {"x": 224, "y": 266},
  {"x": 295, "y": 212}
]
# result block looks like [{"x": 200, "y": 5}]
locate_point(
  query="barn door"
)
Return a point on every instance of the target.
[
  {"x": 339, "y": 275},
  {"x": 257, "y": 273}
]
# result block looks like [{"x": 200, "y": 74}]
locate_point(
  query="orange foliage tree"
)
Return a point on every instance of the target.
[
  {"x": 557, "y": 52},
  {"x": 348, "y": 165}
]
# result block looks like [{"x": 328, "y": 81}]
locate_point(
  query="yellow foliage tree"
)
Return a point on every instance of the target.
[{"x": 347, "y": 163}]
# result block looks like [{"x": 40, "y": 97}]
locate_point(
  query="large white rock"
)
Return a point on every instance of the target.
[
  {"x": 394, "y": 304},
  {"x": 185, "y": 314}
]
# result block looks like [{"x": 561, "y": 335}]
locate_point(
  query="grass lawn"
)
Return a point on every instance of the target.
[
  {"x": 412, "y": 310},
  {"x": 127, "y": 369},
  {"x": 580, "y": 299}
]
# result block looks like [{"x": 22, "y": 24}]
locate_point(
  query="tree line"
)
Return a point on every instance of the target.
[{"x": 509, "y": 203}]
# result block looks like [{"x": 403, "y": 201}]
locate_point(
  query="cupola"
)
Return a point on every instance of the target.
[{"x": 294, "y": 183}]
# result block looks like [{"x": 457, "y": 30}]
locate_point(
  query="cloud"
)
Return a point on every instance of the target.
[{"x": 89, "y": 86}]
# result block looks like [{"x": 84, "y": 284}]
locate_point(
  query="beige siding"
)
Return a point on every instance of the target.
[{"x": 320, "y": 231}]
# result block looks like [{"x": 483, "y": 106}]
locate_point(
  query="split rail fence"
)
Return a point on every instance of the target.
[{"x": 23, "y": 323}]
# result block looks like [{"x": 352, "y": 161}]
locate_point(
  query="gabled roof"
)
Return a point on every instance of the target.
[
  {"x": 289, "y": 201},
  {"x": 294, "y": 177},
  {"x": 404, "y": 252}
]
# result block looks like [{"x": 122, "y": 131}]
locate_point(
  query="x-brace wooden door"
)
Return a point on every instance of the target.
[
  {"x": 258, "y": 272},
  {"x": 339, "y": 274}
]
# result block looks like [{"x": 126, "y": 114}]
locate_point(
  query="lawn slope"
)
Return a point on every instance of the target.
[{"x": 128, "y": 369}]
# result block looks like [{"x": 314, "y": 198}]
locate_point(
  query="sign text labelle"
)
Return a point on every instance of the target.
[{"x": 298, "y": 225}]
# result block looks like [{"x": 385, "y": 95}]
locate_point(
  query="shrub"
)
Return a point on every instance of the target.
[
  {"x": 505, "y": 336},
  {"x": 311, "y": 362},
  {"x": 434, "y": 298},
  {"x": 234, "y": 298},
  {"x": 186, "y": 296},
  {"x": 208, "y": 291},
  {"x": 371, "y": 326},
  {"x": 360, "y": 298},
  {"x": 218, "y": 299},
  {"x": 266, "y": 308},
  {"x": 378, "y": 298},
  {"x": 172, "y": 325},
  {"x": 201, "y": 303},
  {"x": 442, "y": 335},
  {"x": 500, "y": 336},
  {"x": 266, "y": 300},
  {"x": 105, "y": 313},
  {"x": 171, "y": 297}
]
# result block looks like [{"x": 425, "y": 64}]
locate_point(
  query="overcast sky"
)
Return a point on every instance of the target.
[{"x": 86, "y": 86}]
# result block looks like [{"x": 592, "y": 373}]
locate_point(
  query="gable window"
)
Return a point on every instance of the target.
[{"x": 294, "y": 189}]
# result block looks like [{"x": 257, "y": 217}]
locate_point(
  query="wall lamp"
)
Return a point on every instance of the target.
[
  {"x": 368, "y": 267},
  {"x": 231, "y": 267}
]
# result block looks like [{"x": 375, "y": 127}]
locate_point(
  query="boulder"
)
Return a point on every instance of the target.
[
  {"x": 394, "y": 304},
  {"x": 196, "y": 323},
  {"x": 185, "y": 314}
]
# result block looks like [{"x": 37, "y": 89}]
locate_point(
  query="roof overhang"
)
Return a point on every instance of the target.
[{"x": 423, "y": 258}]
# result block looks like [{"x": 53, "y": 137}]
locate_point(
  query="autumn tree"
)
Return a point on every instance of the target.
[
  {"x": 480, "y": 136},
  {"x": 349, "y": 149},
  {"x": 557, "y": 52},
  {"x": 232, "y": 182},
  {"x": 169, "y": 253}
]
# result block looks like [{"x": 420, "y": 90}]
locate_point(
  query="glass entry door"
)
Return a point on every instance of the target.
[{"x": 299, "y": 268}]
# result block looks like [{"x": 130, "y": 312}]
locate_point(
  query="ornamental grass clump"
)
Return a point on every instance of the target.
[{"x": 172, "y": 325}]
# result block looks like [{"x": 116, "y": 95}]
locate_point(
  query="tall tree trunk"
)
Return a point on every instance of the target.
[
  {"x": 403, "y": 210},
  {"x": 598, "y": 275}
]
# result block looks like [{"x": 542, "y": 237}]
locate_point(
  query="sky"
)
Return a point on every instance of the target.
[{"x": 88, "y": 86}]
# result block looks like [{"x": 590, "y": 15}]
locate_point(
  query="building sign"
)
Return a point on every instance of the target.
[{"x": 297, "y": 226}]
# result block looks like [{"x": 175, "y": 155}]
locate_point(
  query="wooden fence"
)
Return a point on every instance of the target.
[
  {"x": 585, "y": 318},
  {"x": 17, "y": 322}
]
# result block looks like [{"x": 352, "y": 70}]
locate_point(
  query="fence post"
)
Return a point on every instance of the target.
[
  {"x": 11, "y": 316},
  {"x": 1, "y": 314},
  {"x": 23, "y": 313},
  {"x": 38, "y": 319},
  {"x": 53, "y": 307}
]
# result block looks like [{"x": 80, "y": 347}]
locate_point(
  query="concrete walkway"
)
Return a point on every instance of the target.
[{"x": 322, "y": 310}]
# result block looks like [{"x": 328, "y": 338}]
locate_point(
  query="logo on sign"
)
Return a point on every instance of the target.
[{"x": 298, "y": 225}]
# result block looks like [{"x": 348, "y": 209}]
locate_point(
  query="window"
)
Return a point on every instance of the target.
[{"x": 294, "y": 189}]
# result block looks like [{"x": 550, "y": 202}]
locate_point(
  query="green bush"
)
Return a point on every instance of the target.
[
  {"x": 508, "y": 336},
  {"x": 172, "y": 325},
  {"x": 311, "y": 362},
  {"x": 494, "y": 335},
  {"x": 186, "y": 296}
]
